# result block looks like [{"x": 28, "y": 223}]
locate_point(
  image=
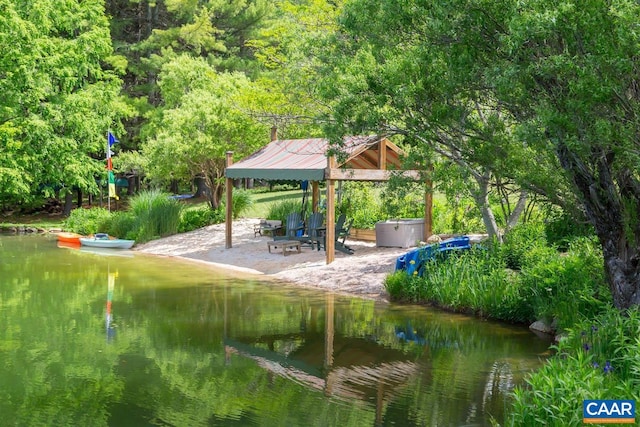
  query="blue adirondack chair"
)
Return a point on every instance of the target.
[
  {"x": 313, "y": 234},
  {"x": 293, "y": 227}
]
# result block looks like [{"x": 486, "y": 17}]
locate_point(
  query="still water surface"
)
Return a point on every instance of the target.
[{"x": 95, "y": 340}]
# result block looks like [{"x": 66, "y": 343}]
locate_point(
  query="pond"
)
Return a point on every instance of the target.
[{"x": 93, "y": 339}]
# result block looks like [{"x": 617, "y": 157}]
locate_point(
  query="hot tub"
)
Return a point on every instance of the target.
[{"x": 402, "y": 233}]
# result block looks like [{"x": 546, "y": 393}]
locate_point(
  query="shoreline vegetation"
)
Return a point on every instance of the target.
[{"x": 525, "y": 278}]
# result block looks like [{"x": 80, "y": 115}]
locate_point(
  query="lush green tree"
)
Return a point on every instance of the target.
[
  {"x": 286, "y": 94},
  {"x": 201, "y": 120},
  {"x": 539, "y": 91},
  {"x": 151, "y": 33},
  {"x": 60, "y": 94},
  {"x": 570, "y": 69},
  {"x": 392, "y": 71}
]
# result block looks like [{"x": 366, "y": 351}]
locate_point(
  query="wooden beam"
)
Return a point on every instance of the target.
[
  {"x": 330, "y": 233},
  {"x": 315, "y": 196},
  {"x": 366, "y": 174},
  {"x": 228, "y": 216},
  {"x": 382, "y": 154}
]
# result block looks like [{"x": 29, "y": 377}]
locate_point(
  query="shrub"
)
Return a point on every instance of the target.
[
  {"x": 157, "y": 214},
  {"x": 562, "y": 285},
  {"x": 280, "y": 210},
  {"x": 87, "y": 221},
  {"x": 361, "y": 204},
  {"x": 519, "y": 244},
  {"x": 122, "y": 224},
  {"x": 192, "y": 219},
  {"x": 560, "y": 229},
  {"x": 402, "y": 199}
]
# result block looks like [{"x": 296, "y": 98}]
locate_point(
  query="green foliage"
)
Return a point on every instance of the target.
[
  {"x": 562, "y": 285},
  {"x": 521, "y": 281},
  {"x": 456, "y": 216},
  {"x": 157, "y": 214},
  {"x": 200, "y": 121},
  {"x": 280, "y": 210},
  {"x": 122, "y": 224},
  {"x": 597, "y": 359},
  {"x": 361, "y": 204},
  {"x": 524, "y": 244},
  {"x": 87, "y": 221},
  {"x": 402, "y": 199},
  {"x": 242, "y": 201},
  {"x": 561, "y": 228},
  {"x": 59, "y": 97},
  {"x": 469, "y": 281},
  {"x": 194, "y": 218}
]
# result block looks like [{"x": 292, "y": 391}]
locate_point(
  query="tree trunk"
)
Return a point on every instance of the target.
[
  {"x": 215, "y": 191},
  {"x": 68, "y": 203},
  {"x": 131, "y": 183},
  {"x": 621, "y": 266},
  {"x": 201, "y": 187},
  {"x": 213, "y": 172},
  {"x": 602, "y": 198},
  {"x": 517, "y": 211},
  {"x": 173, "y": 186},
  {"x": 481, "y": 196}
]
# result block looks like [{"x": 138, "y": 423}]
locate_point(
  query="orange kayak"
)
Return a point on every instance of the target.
[{"x": 68, "y": 237}]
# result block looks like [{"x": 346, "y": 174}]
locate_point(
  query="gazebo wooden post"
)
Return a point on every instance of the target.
[
  {"x": 330, "y": 233},
  {"x": 315, "y": 196},
  {"x": 228, "y": 229},
  {"x": 428, "y": 206}
]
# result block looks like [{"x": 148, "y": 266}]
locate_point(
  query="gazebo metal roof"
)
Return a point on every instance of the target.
[{"x": 306, "y": 159}]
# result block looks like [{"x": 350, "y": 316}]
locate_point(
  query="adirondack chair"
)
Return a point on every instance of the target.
[
  {"x": 292, "y": 227},
  {"x": 313, "y": 230},
  {"x": 342, "y": 231}
]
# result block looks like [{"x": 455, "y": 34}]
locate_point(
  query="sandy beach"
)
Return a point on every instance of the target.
[{"x": 360, "y": 274}]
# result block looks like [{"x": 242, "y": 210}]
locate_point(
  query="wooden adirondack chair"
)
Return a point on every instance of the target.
[
  {"x": 313, "y": 230},
  {"x": 342, "y": 231},
  {"x": 292, "y": 227}
]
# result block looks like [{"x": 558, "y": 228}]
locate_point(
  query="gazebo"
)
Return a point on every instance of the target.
[{"x": 368, "y": 158}]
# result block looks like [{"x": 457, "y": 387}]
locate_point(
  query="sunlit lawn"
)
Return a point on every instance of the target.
[{"x": 262, "y": 201}]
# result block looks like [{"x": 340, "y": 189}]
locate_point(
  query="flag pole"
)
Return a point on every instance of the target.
[
  {"x": 108, "y": 193},
  {"x": 111, "y": 180}
]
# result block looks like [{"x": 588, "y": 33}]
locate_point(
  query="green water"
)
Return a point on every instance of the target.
[{"x": 96, "y": 340}]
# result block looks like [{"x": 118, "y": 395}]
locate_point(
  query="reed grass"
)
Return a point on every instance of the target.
[
  {"x": 157, "y": 215},
  {"x": 537, "y": 283}
]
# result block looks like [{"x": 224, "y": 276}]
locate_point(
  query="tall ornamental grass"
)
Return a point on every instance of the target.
[
  {"x": 523, "y": 280},
  {"x": 157, "y": 215},
  {"x": 473, "y": 281},
  {"x": 241, "y": 202},
  {"x": 280, "y": 210}
]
